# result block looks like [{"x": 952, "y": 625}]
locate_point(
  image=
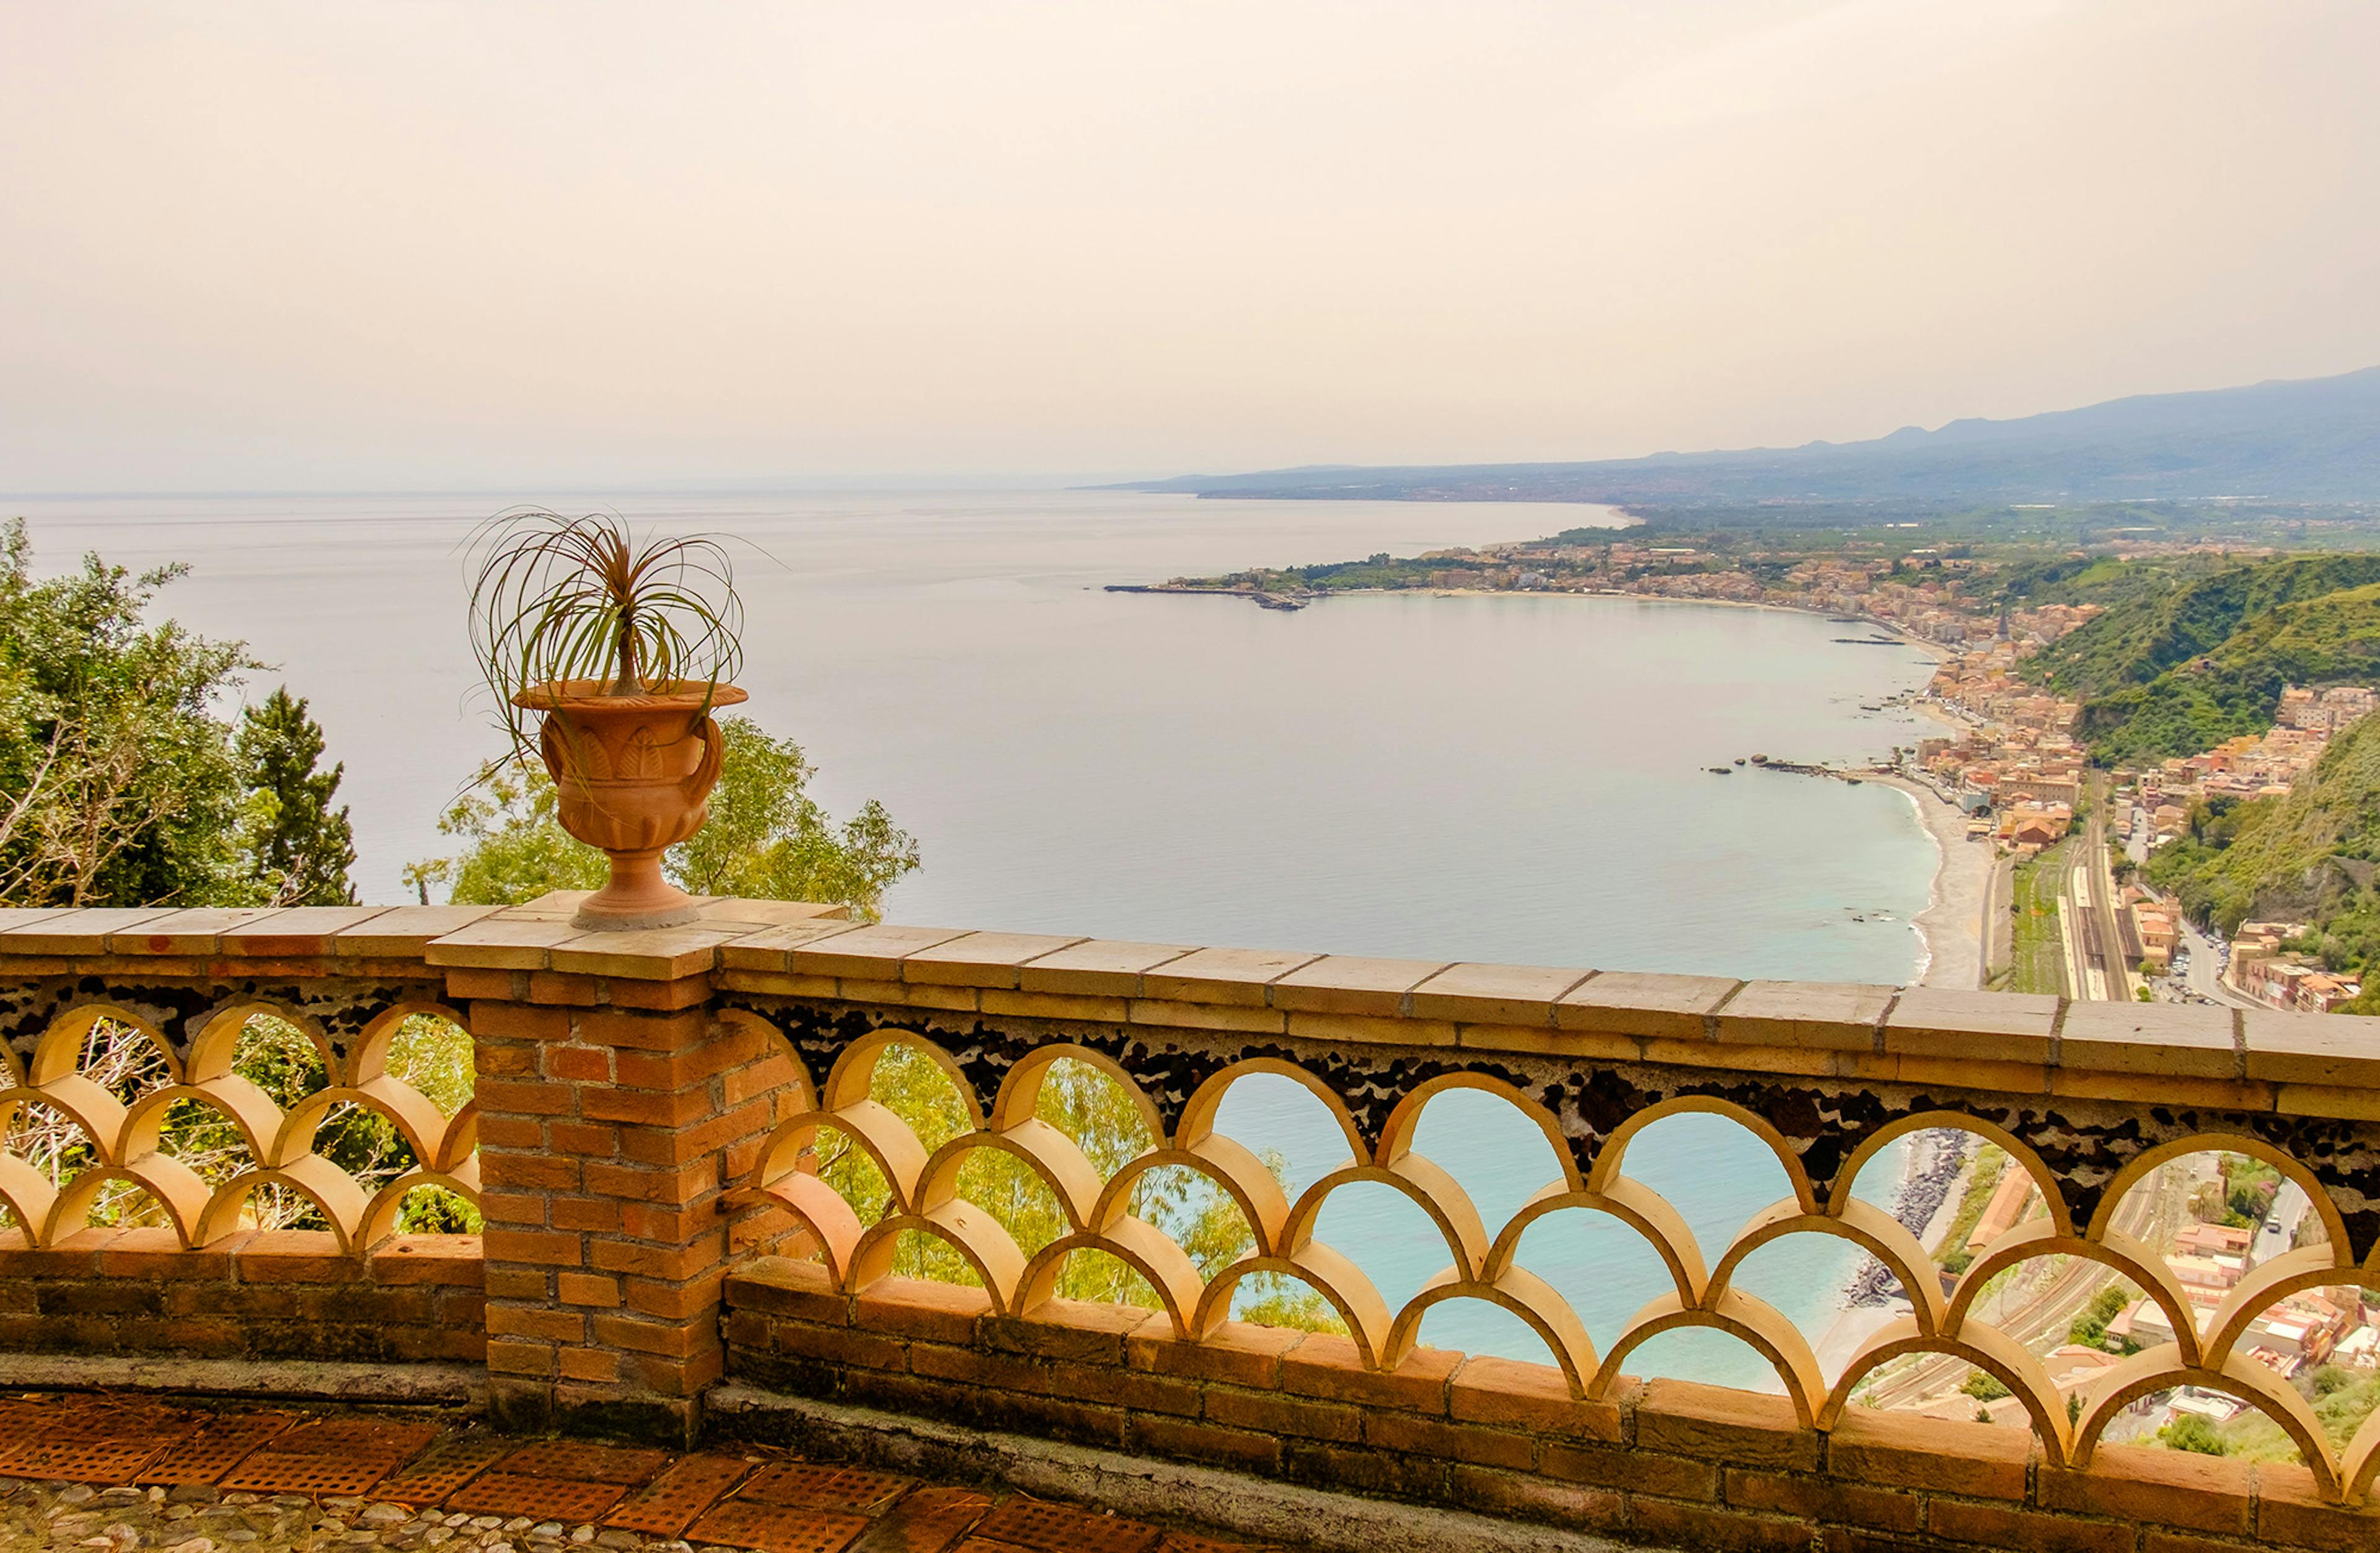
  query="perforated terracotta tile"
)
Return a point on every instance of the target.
[
  {"x": 1063, "y": 1528},
  {"x": 823, "y": 1486},
  {"x": 925, "y": 1521},
  {"x": 222, "y": 1445},
  {"x": 778, "y": 1528},
  {"x": 1183, "y": 1542},
  {"x": 678, "y": 1496},
  {"x": 443, "y": 1471},
  {"x": 594, "y": 1463},
  {"x": 112, "y": 1461},
  {"x": 548, "y": 1498},
  {"x": 330, "y": 1436}
]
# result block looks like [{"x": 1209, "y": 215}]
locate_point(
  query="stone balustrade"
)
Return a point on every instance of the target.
[{"x": 650, "y": 1112}]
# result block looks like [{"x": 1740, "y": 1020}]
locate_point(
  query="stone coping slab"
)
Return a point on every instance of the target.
[{"x": 2316, "y": 1064}]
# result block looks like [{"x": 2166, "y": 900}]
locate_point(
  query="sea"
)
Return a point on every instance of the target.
[{"x": 1521, "y": 778}]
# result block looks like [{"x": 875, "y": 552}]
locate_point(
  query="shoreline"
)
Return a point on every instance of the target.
[{"x": 1952, "y": 927}]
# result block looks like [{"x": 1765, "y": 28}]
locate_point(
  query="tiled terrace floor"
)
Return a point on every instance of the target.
[{"x": 114, "y": 1473}]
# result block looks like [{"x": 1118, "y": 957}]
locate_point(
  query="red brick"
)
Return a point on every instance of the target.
[
  {"x": 519, "y": 1358},
  {"x": 1345, "y": 1467},
  {"x": 657, "y": 1261},
  {"x": 2290, "y": 1510},
  {"x": 599, "y": 1364},
  {"x": 675, "y": 1339},
  {"x": 510, "y": 1132},
  {"x": 1710, "y": 1529},
  {"x": 551, "y": 1326},
  {"x": 1272, "y": 1414},
  {"x": 1326, "y": 1365},
  {"x": 834, "y": 1345},
  {"x": 1134, "y": 1389},
  {"x": 77, "y": 1255},
  {"x": 2003, "y": 1526},
  {"x": 675, "y": 1186},
  {"x": 455, "y": 1260},
  {"x": 504, "y": 1168},
  {"x": 2173, "y": 1488},
  {"x": 1003, "y": 1372},
  {"x": 649, "y": 1032},
  {"x": 466, "y": 982},
  {"x": 664, "y": 1146},
  {"x": 158, "y": 1253},
  {"x": 1238, "y": 1352},
  {"x": 544, "y": 1247},
  {"x": 763, "y": 1077},
  {"x": 782, "y": 1286},
  {"x": 677, "y": 1301},
  {"x": 596, "y": 1140},
  {"x": 1085, "y": 1331},
  {"x": 665, "y": 997},
  {"x": 1454, "y": 1442},
  {"x": 1719, "y": 1423},
  {"x": 526, "y": 1097},
  {"x": 1511, "y": 1394},
  {"x": 1902, "y": 1451},
  {"x": 599, "y": 1215},
  {"x": 1514, "y": 1495},
  {"x": 916, "y": 1308},
  {"x": 670, "y": 1225},
  {"x": 513, "y": 1207},
  {"x": 587, "y": 1289},
  {"x": 1185, "y": 1440},
  {"x": 677, "y": 1378},
  {"x": 562, "y": 986},
  {"x": 517, "y": 1284},
  {"x": 505, "y": 1060},
  {"x": 732, "y": 1048},
  {"x": 501, "y": 1021},
  {"x": 1605, "y": 1466},
  {"x": 1822, "y": 1499},
  {"x": 579, "y": 1064},
  {"x": 295, "y": 1257}
]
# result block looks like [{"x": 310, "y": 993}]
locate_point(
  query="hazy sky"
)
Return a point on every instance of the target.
[{"x": 343, "y": 244}]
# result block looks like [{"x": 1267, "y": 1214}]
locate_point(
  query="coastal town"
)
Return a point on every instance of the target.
[{"x": 2042, "y": 888}]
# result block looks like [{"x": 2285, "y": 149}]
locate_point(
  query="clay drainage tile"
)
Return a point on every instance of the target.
[
  {"x": 778, "y": 1528},
  {"x": 548, "y": 1498},
  {"x": 679, "y": 1495},
  {"x": 218, "y": 1448},
  {"x": 596, "y": 1463},
  {"x": 441, "y": 1472},
  {"x": 824, "y": 1487},
  {"x": 1062, "y": 1528}
]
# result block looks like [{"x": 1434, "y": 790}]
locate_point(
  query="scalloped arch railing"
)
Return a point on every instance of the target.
[
  {"x": 649, "y": 1109},
  {"x": 128, "y": 1144}
]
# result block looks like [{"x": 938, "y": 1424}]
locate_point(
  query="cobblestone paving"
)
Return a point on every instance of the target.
[{"x": 113, "y": 1475}]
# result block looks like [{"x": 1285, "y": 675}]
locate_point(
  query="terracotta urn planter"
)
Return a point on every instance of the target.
[{"x": 634, "y": 775}]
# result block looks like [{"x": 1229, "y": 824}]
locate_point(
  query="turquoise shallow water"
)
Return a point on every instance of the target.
[{"x": 1516, "y": 777}]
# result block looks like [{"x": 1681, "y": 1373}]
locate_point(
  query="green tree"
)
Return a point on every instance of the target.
[
  {"x": 766, "y": 838},
  {"x": 121, "y": 785},
  {"x": 2190, "y": 1432},
  {"x": 299, "y": 848}
]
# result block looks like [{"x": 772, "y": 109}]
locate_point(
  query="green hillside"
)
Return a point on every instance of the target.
[
  {"x": 2307, "y": 857},
  {"x": 2173, "y": 668}
]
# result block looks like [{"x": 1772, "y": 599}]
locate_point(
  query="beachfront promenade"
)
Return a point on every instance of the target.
[{"x": 660, "y": 1124}]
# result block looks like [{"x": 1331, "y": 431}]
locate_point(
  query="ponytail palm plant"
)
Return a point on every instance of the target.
[
  {"x": 622, "y": 647},
  {"x": 582, "y": 607}
]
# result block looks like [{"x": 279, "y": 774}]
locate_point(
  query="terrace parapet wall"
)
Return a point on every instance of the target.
[{"x": 639, "y": 1144}]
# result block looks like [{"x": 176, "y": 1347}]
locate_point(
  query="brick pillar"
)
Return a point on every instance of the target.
[{"x": 604, "y": 1132}]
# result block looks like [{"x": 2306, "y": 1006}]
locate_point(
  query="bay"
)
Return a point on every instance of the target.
[{"x": 1516, "y": 777}]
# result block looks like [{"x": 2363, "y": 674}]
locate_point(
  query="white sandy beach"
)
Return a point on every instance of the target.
[{"x": 1953, "y": 923}]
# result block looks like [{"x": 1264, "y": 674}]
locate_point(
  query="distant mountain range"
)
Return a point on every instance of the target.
[{"x": 2316, "y": 440}]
